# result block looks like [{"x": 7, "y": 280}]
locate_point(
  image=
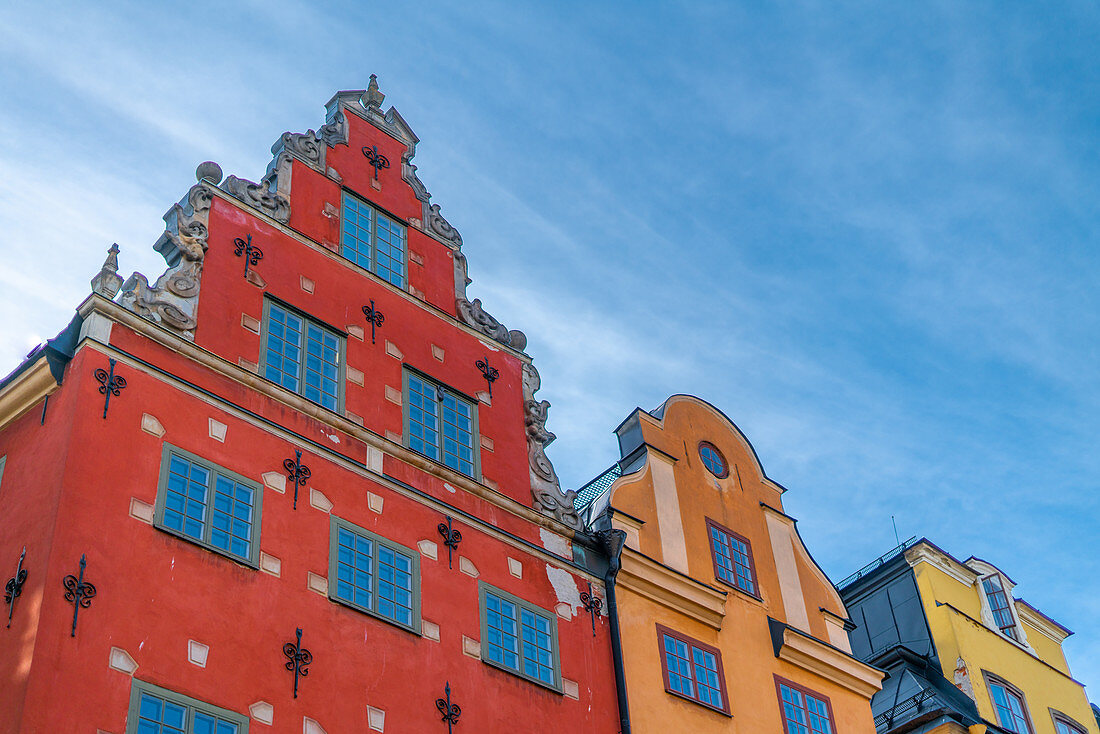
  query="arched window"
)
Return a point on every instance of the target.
[
  {"x": 1009, "y": 704},
  {"x": 1000, "y": 606}
]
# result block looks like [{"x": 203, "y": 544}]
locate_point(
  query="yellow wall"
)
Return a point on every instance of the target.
[
  {"x": 1043, "y": 677},
  {"x": 673, "y": 495}
]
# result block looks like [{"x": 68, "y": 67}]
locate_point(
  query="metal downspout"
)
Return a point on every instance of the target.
[{"x": 613, "y": 542}]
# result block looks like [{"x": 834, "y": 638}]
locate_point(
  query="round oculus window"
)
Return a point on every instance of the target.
[{"x": 713, "y": 460}]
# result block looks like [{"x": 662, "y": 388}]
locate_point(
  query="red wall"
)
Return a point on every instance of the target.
[{"x": 79, "y": 475}]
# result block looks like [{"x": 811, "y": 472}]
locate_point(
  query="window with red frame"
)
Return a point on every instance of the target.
[
  {"x": 692, "y": 669},
  {"x": 732, "y": 557},
  {"x": 804, "y": 712},
  {"x": 1009, "y": 703},
  {"x": 998, "y": 604}
]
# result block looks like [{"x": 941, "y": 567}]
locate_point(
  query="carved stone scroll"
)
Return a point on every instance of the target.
[
  {"x": 441, "y": 227},
  {"x": 260, "y": 197},
  {"x": 174, "y": 299},
  {"x": 549, "y": 498},
  {"x": 310, "y": 146},
  {"x": 474, "y": 315}
]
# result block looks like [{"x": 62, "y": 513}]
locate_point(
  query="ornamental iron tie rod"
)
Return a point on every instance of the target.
[
  {"x": 451, "y": 539},
  {"x": 14, "y": 587},
  {"x": 297, "y": 472},
  {"x": 252, "y": 255},
  {"x": 109, "y": 383},
  {"x": 376, "y": 159},
  {"x": 489, "y": 373},
  {"x": 297, "y": 659},
  {"x": 78, "y": 591},
  {"x": 592, "y": 605},
  {"x": 450, "y": 711},
  {"x": 374, "y": 316}
]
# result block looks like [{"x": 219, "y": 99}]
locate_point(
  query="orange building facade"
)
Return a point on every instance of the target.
[{"x": 726, "y": 622}]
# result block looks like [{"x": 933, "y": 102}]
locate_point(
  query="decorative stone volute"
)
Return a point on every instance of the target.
[
  {"x": 107, "y": 282},
  {"x": 549, "y": 498}
]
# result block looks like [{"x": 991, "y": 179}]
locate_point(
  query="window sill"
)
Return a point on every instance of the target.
[
  {"x": 697, "y": 702},
  {"x": 247, "y": 562},
  {"x": 727, "y": 585},
  {"x": 414, "y": 629},
  {"x": 541, "y": 684}
]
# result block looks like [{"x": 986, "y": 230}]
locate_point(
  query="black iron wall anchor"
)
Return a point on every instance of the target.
[
  {"x": 78, "y": 592},
  {"x": 297, "y": 659},
  {"x": 451, "y": 539},
  {"x": 14, "y": 587},
  {"x": 592, "y": 605},
  {"x": 109, "y": 383},
  {"x": 252, "y": 255},
  {"x": 376, "y": 159},
  {"x": 489, "y": 373},
  {"x": 297, "y": 472},
  {"x": 374, "y": 316},
  {"x": 450, "y": 711}
]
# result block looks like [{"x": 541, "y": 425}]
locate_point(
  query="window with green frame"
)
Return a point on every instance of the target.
[
  {"x": 373, "y": 240},
  {"x": 302, "y": 355},
  {"x": 156, "y": 710},
  {"x": 519, "y": 637},
  {"x": 374, "y": 575},
  {"x": 208, "y": 505},
  {"x": 440, "y": 423}
]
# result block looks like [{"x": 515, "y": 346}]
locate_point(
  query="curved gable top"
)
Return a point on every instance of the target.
[{"x": 673, "y": 401}]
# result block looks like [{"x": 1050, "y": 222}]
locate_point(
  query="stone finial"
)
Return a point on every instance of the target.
[
  {"x": 373, "y": 97},
  {"x": 107, "y": 282},
  {"x": 209, "y": 171}
]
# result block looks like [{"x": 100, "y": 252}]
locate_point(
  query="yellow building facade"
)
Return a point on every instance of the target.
[
  {"x": 726, "y": 622},
  {"x": 1002, "y": 652}
]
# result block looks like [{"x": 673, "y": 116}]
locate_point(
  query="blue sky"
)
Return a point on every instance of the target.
[{"x": 866, "y": 231}]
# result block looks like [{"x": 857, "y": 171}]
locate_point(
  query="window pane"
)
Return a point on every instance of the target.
[
  {"x": 355, "y": 235},
  {"x": 185, "y": 497},
  {"x": 284, "y": 344},
  {"x": 322, "y": 367},
  {"x": 502, "y": 645},
  {"x": 395, "y": 585},
  {"x": 390, "y": 264},
  {"x": 354, "y": 568},
  {"x": 458, "y": 445},
  {"x": 423, "y": 417}
]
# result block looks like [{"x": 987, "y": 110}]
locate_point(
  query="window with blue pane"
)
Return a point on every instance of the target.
[
  {"x": 692, "y": 670},
  {"x": 155, "y": 710},
  {"x": 732, "y": 557},
  {"x": 440, "y": 424},
  {"x": 209, "y": 505},
  {"x": 303, "y": 356},
  {"x": 373, "y": 240},
  {"x": 374, "y": 575},
  {"x": 804, "y": 712},
  {"x": 519, "y": 637}
]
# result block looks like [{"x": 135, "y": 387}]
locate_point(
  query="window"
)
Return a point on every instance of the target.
[
  {"x": 212, "y": 506},
  {"x": 732, "y": 556},
  {"x": 374, "y": 575},
  {"x": 303, "y": 356},
  {"x": 440, "y": 424},
  {"x": 373, "y": 240},
  {"x": 1009, "y": 704},
  {"x": 519, "y": 637},
  {"x": 1065, "y": 725},
  {"x": 999, "y": 605},
  {"x": 155, "y": 710},
  {"x": 713, "y": 460},
  {"x": 692, "y": 669},
  {"x": 804, "y": 712}
]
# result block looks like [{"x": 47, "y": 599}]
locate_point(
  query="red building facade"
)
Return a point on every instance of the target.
[{"x": 301, "y": 437}]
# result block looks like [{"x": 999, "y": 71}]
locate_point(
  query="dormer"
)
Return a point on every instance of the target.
[{"x": 999, "y": 612}]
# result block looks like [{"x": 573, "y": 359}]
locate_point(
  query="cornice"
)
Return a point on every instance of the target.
[
  {"x": 659, "y": 583},
  {"x": 925, "y": 553},
  {"x": 30, "y": 386},
  {"x": 820, "y": 658},
  {"x": 188, "y": 349},
  {"x": 1040, "y": 622}
]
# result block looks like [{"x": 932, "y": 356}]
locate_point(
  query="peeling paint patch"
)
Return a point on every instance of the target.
[
  {"x": 565, "y": 587},
  {"x": 556, "y": 544}
]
